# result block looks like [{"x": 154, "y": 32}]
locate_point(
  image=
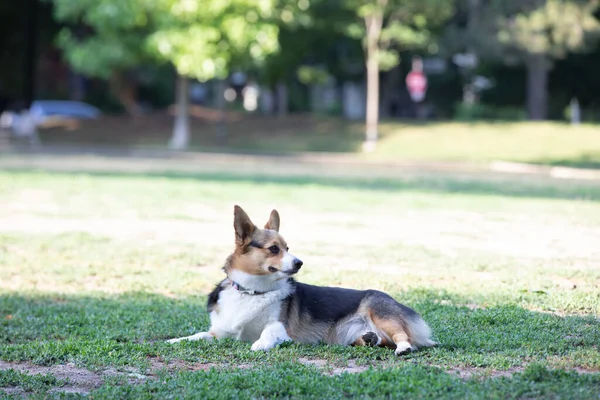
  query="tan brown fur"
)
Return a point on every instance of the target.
[
  {"x": 251, "y": 259},
  {"x": 273, "y": 223},
  {"x": 393, "y": 329}
]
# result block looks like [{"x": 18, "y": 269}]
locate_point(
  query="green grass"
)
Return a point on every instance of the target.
[
  {"x": 546, "y": 143},
  {"x": 539, "y": 143},
  {"x": 29, "y": 383},
  {"x": 97, "y": 269}
]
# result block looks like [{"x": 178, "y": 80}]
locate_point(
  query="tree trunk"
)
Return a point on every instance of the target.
[
  {"x": 282, "y": 99},
  {"x": 537, "y": 87},
  {"x": 372, "y": 100},
  {"x": 181, "y": 129},
  {"x": 388, "y": 104},
  {"x": 373, "y": 23},
  {"x": 76, "y": 87},
  {"x": 267, "y": 100},
  {"x": 125, "y": 90},
  {"x": 31, "y": 50},
  {"x": 221, "y": 128}
]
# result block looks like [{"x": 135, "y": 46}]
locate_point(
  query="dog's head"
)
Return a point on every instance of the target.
[{"x": 261, "y": 252}]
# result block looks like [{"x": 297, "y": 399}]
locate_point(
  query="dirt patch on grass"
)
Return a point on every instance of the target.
[
  {"x": 351, "y": 367},
  {"x": 483, "y": 373},
  {"x": 157, "y": 364},
  {"x": 83, "y": 381},
  {"x": 79, "y": 380}
]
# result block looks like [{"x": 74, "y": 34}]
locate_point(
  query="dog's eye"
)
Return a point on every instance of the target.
[{"x": 274, "y": 249}]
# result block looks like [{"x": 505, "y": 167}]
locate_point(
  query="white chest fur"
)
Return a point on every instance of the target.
[{"x": 244, "y": 316}]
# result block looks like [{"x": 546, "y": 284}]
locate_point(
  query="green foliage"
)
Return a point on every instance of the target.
[
  {"x": 407, "y": 24},
  {"x": 312, "y": 75},
  {"x": 510, "y": 30},
  {"x": 551, "y": 27},
  {"x": 201, "y": 39},
  {"x": 311, "y": 35},
  {"x": 99, "y": 56},
  {"x": 204, "y": 39},
  {"x": 104, "y": 35},
  {"x": 333, "y": 32}
]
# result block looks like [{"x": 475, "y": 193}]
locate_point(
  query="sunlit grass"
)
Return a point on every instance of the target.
[{"x": 544, "y": 143}]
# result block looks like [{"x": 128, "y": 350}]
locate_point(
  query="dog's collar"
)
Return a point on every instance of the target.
[{"x": 244, "y": 290}]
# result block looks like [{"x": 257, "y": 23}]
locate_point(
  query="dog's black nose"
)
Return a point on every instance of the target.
[{"x": 297, "y": 263}]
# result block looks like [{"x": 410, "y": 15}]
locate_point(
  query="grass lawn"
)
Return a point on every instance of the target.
[
  {"x": 541, "y": 143},
  {"x": 98, "y": 269}
]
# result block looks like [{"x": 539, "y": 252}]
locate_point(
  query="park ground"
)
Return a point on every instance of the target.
[
  {"x": 550, "y": 143},
  {"x": 103, "y": 257}
]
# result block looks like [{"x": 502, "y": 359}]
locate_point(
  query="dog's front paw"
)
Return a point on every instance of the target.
[
  {"x": 197, "y": 336},
  {"x": 262, "y": 345}
]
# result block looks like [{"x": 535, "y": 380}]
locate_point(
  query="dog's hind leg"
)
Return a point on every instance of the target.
[
  {"x": 198, "y": 336},
  {"x": 400, "y": 326},
  {"x": 395, "y": 335}
]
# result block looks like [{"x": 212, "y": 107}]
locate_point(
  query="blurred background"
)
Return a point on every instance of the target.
[{"x": 276, "y": 76}]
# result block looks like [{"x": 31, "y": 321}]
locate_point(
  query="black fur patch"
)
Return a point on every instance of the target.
[
  {"x": 256, "y": 244},
  {"x": 370, "y": 339},
  {"x": 213, "y": 297},
  {"x": 328, "y": 304},
  {"x": 385, "y": 306}
]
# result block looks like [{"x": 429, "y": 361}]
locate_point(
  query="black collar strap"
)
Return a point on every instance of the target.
[{"x": 244, "y": 290}]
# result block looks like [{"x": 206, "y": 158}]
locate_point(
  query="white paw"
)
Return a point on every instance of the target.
[
  {"x": 403, "y": 348},
  {"x": 262, "y": 345},
  {"x": 197, "y": 336}
]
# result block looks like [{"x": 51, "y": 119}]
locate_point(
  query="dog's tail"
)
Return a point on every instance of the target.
[{"x": 419, "y": 332}]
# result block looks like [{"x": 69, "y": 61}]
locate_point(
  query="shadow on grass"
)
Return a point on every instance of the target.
[
  {"x": 589, "y": 160},
  {"x": 129, "y": 329},
  {"x": 256, "y": 134},
  {"x": 430, "y": 182}
]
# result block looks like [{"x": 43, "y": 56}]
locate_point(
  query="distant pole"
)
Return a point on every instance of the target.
[
  {"x": 575, "y": 111},
  {"x": 30, "y": 27}
]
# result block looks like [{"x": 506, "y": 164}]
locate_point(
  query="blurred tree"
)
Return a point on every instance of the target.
[
  {"x": 532, "y": 32},
  {"x": 311, "y": 34},
  {"x": 201, "y": 39},
  {"x": 105, "y": 39},
  {"x": 206, "y": 39},
  {"x": 387, "y": 27}
]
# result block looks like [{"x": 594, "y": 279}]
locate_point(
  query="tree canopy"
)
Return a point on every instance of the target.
[
  {"x": 204, "y": 39},
  {"x": 532, "y": 32},
  {"x": 201, "y": 39}
]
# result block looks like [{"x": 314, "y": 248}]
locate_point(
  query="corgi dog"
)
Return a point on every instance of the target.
[{"x": 260, "y": 302}]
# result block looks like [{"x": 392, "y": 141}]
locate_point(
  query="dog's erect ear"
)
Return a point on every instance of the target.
[
  {"x": 244, "y": 228},
  {"x": 273, "y": 221}
]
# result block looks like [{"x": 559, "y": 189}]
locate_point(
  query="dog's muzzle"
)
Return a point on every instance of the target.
[{"x": 296, "y": 265}]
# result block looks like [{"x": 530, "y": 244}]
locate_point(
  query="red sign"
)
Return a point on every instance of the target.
[{"x": 416, "y": 82}]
